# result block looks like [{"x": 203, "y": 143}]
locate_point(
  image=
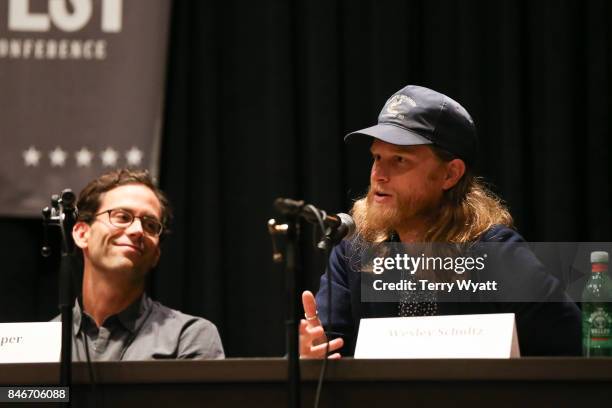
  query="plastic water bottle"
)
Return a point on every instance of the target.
[{"x": 597, "y": 309}]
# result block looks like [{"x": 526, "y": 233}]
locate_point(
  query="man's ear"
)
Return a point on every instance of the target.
[
  {"x": 455, "y": 169},
  {"x": 80, "y": 234}
]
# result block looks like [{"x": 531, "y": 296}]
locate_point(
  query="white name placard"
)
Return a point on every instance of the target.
[
  {"x": 461, "y": 336},
  {"x": 39, "y": 342}
]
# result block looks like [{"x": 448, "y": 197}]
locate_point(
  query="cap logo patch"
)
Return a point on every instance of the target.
[{"x": 398, "y": 104}]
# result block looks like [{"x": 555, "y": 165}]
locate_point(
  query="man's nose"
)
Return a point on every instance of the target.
[
  {"x": 135, "y": 228},
  {"x": 379, "y": 172}
]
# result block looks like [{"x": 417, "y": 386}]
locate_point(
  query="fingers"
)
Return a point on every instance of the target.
[
  {"x": 313, "y": 343},
  {"x": 334, "y": 345},
  {"x": 320, "y": 350},
  {"x": 310, "y": 336},
  {"x": 315, "y": 333},
  {"x": 310, "y": 307}
]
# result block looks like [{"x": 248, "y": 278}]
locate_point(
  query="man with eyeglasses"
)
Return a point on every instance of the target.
[{"x": 121, "y": 217}]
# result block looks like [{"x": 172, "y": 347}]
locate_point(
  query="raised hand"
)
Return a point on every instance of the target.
[{"x": 313, "y": 342}]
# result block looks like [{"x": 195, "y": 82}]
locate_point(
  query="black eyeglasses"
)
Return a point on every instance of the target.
[{"x": 121, "y": 218}]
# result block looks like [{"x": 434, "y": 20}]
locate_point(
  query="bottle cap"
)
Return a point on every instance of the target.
[{"x": 599, "y": 257}]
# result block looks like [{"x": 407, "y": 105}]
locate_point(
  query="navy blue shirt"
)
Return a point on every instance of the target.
[{"x": 544, "y": 328}]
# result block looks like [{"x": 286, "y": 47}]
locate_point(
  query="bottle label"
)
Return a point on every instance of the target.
[{"x": 600, "y": 323}]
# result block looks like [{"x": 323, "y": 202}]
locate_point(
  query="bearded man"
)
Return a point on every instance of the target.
[{"x": 423, "y": 190}]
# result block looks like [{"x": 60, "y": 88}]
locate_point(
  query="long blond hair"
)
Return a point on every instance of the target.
[{"x": 467, "y": 210}]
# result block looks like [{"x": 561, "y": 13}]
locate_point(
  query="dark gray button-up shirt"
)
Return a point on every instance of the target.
[{"x": 145, "y": 330}]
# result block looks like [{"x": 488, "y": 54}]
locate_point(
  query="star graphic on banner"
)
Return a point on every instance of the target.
[
  {"x": 57, "y": 157},
  {"x": 134, "y": 156},
  {"x": 31, "y": 157},
  {"x": 83, "y": 157},
  {"x": 109, "y": 157}
]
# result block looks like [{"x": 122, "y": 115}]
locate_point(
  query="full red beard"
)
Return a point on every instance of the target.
[
  {"x": 389, "y": 216},
  {"x": 376, "y": 221}
]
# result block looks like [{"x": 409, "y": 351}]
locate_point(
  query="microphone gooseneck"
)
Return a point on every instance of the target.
[{"x": 336, "y": 227}]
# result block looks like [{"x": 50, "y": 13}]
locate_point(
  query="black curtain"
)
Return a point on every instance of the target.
[{"x": 260, "y": 94}]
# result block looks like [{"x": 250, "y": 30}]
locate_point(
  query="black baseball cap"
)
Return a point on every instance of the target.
[{"x": 416, "y": 115}]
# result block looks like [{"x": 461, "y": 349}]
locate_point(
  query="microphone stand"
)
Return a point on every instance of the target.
[
  {"x": 291, "y": 230},
  {"x": 62, "y": 214},
  {"x": 294, "y": 211}
]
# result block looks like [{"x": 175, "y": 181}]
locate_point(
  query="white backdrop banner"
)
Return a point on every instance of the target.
[{"x": 82, "y": 87}]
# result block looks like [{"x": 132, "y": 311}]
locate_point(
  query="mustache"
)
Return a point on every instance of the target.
[{"x": 377, "y": 190}]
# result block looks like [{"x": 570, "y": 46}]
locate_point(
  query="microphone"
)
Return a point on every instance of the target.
[
  {"x": 341, "y": 226},
  {"x": 63, "y": 214},
  {"x": 338, "y": 226}
]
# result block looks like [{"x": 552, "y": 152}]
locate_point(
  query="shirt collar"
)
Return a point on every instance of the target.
[
  {"x": 130, "y": 318},
  {"x": 77, "y": 315}
]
